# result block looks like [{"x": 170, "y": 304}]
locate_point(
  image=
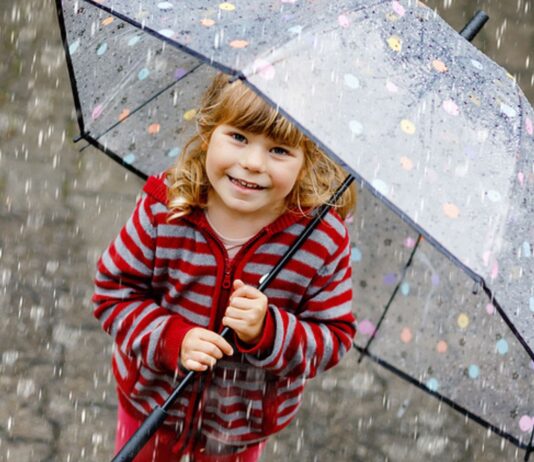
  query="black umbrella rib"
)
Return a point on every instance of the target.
[
  {"x": 388, "y": 304},
  {"x": 149, "y": 100},
  {"x": 528, "y": 447}
]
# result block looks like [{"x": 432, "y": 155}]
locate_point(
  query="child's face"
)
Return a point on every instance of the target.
[{"x": 250, "y": 173}]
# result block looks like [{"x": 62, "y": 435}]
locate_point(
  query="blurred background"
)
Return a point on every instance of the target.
[{"x": 60, "y": 207}]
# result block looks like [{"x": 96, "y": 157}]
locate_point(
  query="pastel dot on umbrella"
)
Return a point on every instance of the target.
[
  {"x": 406, "y": 335},
  {"x": 531, "y": 304},
  {"x": 398, "y": 8},
  {"x": 439, "y": 65},
  {"x": 169, "y": 33},
  {"x": 343, "y": 20},
  {"x": 395, "y": 43},
  {"x": 97, "y": 112},
  {"x": 356, "y": 254},
  {"x": 239, "y": 44},
  {"x": 153, "y": 129},
  {"x": 133, "y": 40},
  {"x": 129, "y": 158},
  {"x": 502, "y": 347},
  {"x": 165, "y": 6},
  {"x": 407, "y": 126},
  {"x": 206, "y": 22},
  {"x": 391, "y": 87},
  {"x": 463, "y": 321},
  {"x": 366, "y": 327},
  {"x": 351, "y": 81},
  {"x": 143, "y": 73},
  {"x": 442, "y": 347},
  {"x": 405, "y": 288},
  {"x": 529, "y": 126},
  {"x": 381, "y": 186},
  {"x": 476, "y": 64},
  {"x": 473, "y": 371},
  {"x": 490, "y": 309},
  {"x": 390, "y": 279},
  {"x": 432, "y": 384},
  {"x": 102, "y": 48},
  {"x": 124, "y": 114},
  {"x": 73, "y": 47},
  {"x": 451, "y": 210},
  {"x": 190, "y": 114},
  {"x": 179, "y": 73},
  {"x": 406, "y": 163},
  {"x": 107, "y": 21},
  {"x": 526, "y": 423},
  {"x": 355, "y": 127},
  {"x": 173, "y": 152},
  {"x": 450, "y": 107},
  {"x": 227, "y": 6},
  {"x": 508, "y": 110},
  {"x": 264, "y": 69}
]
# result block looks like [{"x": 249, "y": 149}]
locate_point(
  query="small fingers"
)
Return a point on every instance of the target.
[
  {"x": 218, "y": 341},
  {"x": 192, "y": 365}
]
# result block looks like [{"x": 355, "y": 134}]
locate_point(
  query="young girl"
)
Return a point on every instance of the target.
[{"x": 187, "y": 263}]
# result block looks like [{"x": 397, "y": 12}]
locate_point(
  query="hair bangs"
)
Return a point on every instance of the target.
[{"x": 244, "y": 109}]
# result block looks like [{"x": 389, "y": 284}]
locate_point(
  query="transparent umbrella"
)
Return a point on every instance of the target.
[{"x": 439, "y": 137}]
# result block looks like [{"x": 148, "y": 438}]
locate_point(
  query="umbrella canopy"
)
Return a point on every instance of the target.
[{"x": 440, "y": 138}]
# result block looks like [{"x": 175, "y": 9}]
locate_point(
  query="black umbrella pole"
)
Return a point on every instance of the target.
[
  {"x": 159, "y": 414},
  {"x": 472, "y": 28}
]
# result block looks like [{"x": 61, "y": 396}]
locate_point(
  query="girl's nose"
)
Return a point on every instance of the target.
[{"x": 254, "y": 158}]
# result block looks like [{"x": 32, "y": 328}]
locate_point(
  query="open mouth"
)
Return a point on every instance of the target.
[{"x": 245, "y": 184}]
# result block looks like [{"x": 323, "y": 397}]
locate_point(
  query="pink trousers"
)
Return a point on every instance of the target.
[{"x": 160, "y": 447}]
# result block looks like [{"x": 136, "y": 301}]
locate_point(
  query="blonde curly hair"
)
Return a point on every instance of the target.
[{"x": 233, "y": 103}]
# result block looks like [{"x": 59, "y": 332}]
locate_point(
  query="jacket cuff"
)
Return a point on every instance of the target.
[
  {"x": 170, "y": 343},
  {"x": 266, "y": 341}
]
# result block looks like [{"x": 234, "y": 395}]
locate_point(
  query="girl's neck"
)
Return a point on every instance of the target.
[{"x": 237, "y": 225}]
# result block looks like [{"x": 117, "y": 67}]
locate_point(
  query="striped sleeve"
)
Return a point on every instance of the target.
[
  {"x": 316, "y": 338},
  {"x": 123, "y": 302}
]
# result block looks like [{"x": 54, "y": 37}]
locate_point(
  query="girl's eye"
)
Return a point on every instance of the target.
[
  {"x": 280, "y": 151},
  {"x": 238, "y": 137}
]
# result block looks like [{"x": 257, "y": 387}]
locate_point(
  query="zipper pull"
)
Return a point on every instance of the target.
[{"x": 227, "y": 281}]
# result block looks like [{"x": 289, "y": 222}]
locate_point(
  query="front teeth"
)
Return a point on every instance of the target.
[{"x": 246, "y": 185}]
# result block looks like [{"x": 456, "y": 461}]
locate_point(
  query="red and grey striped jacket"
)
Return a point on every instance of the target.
[{"x": 160, "y": 278}]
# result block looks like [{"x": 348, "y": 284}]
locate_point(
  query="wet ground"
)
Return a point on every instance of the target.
[{"x": 58, "y": 210}]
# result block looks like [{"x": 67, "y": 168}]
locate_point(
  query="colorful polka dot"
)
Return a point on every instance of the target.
[
  {"x": 490, "y": 309},
  {"x": 295, "y": 30},
  {"x": 165, "y": 6},
  {"x": 463, "y": 321},
  {"x": 391, "y": 87},
  {"x": 398, "y": 8},
  {"x": 432, "y": 384},
  {"x": 169, "y": 33},
  {"x": 476, "y": 64},
  {"x": 107, "y": 21},
  {"x": 442, "y": 347},
  {"x": 494, "y": 196},
  {"x": 531, "y": 304},
  {"x": 435, "y": 279},
  {"x": 381, "y": 186},
  {"x": 502, "y": 347},
  {"x": 526, "y": 250},
  {"x": 356, "y": 254},
  {"x": 390, "y": 279},
  {"x": 124, "y": 113},
  {"x": 406, "y": 335},
  {"x": 97, "y": 112},
  {"x": 351, "y": 81},
  {"x": 450, "y": 107},
  {"x": 129, "y": 158},
  {"x": 190, "y": 115},
  {"x": 173, "y": 152},
  {"x": 395, "y": 43},
  {"x": 529, "y": 126},
  {"x": 264, "y": 69},
  {"x": 405, "y": 288},
  {"x": 102, "y": 48},
  {"x": 356, "y": 127},
  {"x": 406, "y": 163},
  {"x": 439, "y": 65},
  {"x": 508, "y": 110},
  {"x": 133, "y": 40},
  {"x": 366, "y": 327},
  {"x": 239, "y": 44},
  {"x": 179, "y": 73},
  {"x": 73, "y": 47},
  {"x": 407, "y": 126},
  {"x": 526, "y": 423},
  {"x": 343, "y": 20},
  {"x": 473, "y": 371},
  {"x": 226, "y": 6},
  {"x": 143, "y": 73},
  {"x": 153, "y": 129},
  {"x": 206, "y": 22},
  {"x": 451, "y": 210}
]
